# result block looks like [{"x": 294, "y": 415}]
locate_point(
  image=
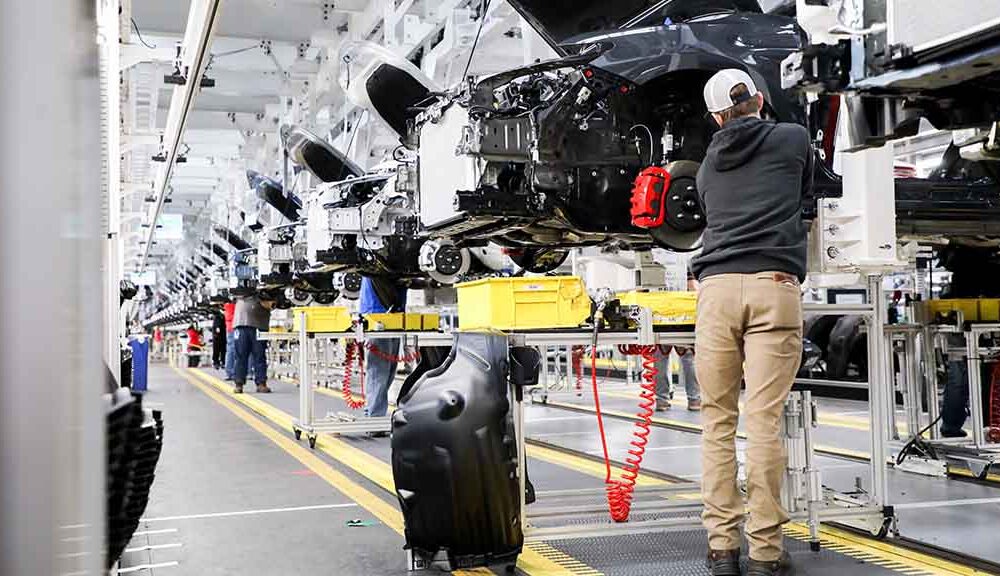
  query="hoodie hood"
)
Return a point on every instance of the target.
[{"x": 737, "y": 143}]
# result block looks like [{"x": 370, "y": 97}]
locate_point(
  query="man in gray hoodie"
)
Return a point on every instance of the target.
[
  {"x": 754, "y": 182},
  {"x": 251, "y": 317}
]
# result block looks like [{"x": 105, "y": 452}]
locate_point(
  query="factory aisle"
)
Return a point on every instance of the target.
[{"x": 234, "y": 495}]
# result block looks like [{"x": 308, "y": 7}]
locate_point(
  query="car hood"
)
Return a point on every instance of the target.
[{"x": 559, "y": 20}]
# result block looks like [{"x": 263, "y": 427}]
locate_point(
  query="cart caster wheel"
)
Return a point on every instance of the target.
[
  {"x": 312, "y": 442},
  {"x": 298, "y": 434},
  {"x": 814, "y": 546},
  {"x": 884, "y": 530}
]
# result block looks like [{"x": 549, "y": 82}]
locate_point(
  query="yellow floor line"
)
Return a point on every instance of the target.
[
  {"x": 680, "y": 424},
  {"x": 538, "y": 558},
  {"x": 883, "y": 553},
  {"x": 530, "y": 561},
  {"x": 576, "y": 463},
  {"x": 388, "y": 514},
  {"x": 584, "y": 465},
  {"x": 825, "y": 419}
]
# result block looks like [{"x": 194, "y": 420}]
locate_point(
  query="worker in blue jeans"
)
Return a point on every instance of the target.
[
  {"x": 252, "y": 316},
  {"x": 380, "y": 295},
  {"x": 688, "y": 378}
]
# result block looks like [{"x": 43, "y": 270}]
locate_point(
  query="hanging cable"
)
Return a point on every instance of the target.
[
  {"x": 475, "y": 43},
  {"x": 139, "y": 34}
]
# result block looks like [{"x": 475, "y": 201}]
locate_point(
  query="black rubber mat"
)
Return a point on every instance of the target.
[{"x": 683, "y": 554}]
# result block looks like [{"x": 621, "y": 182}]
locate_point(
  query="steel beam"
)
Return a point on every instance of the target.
[{"x": 202, "y": 19}]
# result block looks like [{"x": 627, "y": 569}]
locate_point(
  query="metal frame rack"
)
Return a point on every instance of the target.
[
  {"x": 804, "y": 496},
  {"x": 977, "y": 452}
]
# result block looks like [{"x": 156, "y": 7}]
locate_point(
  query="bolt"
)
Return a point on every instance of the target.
[
  {"x": 697, "y": 217},
  {"x": 675, "y": 198},
  {"x": 690, "y": 203},
  {"x": 680, "y": 216},
  {"x": 832, "y": 252}
]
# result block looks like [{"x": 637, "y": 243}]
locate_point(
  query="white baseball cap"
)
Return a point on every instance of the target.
[{"x": 719, "y": 86}]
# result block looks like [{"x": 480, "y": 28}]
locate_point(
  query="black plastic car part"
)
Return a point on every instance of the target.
[{"x": 454, "y": 457}]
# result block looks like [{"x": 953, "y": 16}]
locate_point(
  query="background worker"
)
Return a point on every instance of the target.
[
  {"x": 688, "y": 376},
  {"x": 250, "y": 317},
  {"x": 380, "y": 295},
  {"x": 218, "y": 340},
  {"x": 754, "y": 181},
  {"x": 194, "y": 346},
  {"x": 228, "y": 312}
]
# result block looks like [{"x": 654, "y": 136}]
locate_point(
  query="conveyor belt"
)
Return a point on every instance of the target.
[{"x": 663, "y": 553}]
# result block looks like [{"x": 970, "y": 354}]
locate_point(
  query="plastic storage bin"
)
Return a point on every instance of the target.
[
  {"x": 392, "y": 321},
  {"x": 531, "y": 303},
  {"x": 669, "y": 308},
  {"x": 323, "y": 318}
]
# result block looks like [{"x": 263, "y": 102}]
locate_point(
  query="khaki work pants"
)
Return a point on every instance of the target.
[{"x": 749, "y": 328}]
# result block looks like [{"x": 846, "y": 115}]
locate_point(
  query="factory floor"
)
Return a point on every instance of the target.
[{"x": 236, "y": 494}]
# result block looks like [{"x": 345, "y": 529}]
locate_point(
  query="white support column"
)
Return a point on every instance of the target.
[
  {"x": 109, "y": 37},
  {"x": 51, "y": 412}
]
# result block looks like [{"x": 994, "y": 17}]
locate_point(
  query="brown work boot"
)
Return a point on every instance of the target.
[
  {"x": 694, "y": 405},
  {"x": 780, "y": 567},
  {"x": 238, "y": 388},
  {"x": 724, "y": 562},
  {"x": 263, "y": 389},
  {"x": 662, "y": 405}
]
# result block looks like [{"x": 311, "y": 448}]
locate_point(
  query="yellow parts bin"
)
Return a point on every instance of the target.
[
  {"x": 324, "y": 318},
  {"x": 972, "y": 309},
  {"x": 394, "y": 321},
  {"x": 669, "y": 308},
  {"x": 526, "y": 303}
]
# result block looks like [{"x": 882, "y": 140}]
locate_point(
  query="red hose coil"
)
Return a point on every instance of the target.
[
  {"x": 411, "y": 356},
  {"x": 351, "y": 353},
  {"x": 577, "y": 358},
  {"x": 620, "y": 490}
]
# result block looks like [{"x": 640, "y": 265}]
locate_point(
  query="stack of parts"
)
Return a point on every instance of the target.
[{"x": 135, "y": 439}]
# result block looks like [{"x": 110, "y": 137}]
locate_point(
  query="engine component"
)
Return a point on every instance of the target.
[{"x": 538, "y": 260}]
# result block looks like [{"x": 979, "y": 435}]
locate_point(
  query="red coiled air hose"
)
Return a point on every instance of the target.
[
  {"x": 352, "y": 350},
  {"x": 577, "y": 358},
  {"x": 411, "y": 356},
  {"x": 620, "y": 490}
]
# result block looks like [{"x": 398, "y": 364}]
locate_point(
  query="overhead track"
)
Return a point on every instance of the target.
[{"x": 194, "y": 56}]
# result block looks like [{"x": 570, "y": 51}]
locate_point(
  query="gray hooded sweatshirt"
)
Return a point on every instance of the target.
[{"x": 754, "y": 181}]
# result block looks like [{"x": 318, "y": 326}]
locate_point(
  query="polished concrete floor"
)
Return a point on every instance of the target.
[{"x": 235, "y": 494}]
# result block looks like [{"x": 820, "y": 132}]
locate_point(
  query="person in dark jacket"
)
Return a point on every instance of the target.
[
  {"x": 754, "y": 181},
  {"x": 251, "y": 317},
  {"x": 218, "y": 340}
]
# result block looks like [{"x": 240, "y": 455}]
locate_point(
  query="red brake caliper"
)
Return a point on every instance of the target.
[{"x": 648, "y": 206}]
